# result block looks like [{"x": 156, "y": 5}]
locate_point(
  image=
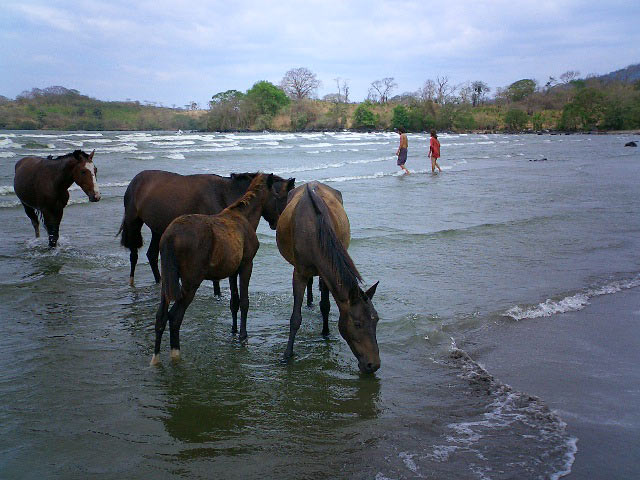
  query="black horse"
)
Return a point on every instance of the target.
[
  {"x": 42, "y": 186},
  {"x": 313, "y": 234},
  {"x": 156, "y": 198}
]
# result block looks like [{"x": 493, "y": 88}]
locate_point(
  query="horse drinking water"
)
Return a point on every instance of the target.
[
  {"x": 156, "y": 198},
  {"x": 42, "y": 186},
  {"x": 198, "y": 247},
  {"x": 313, "y": 235}
]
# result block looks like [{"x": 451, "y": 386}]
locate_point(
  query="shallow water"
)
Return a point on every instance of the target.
[{"x": 496, "y": 237}]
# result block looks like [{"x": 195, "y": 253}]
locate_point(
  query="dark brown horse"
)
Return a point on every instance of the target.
[
  {"x": 156, "y": 198},
  {"x": 42, "y": 186},
  {"x": 212, "y": 247},
  {"x": 313, "y": 235}
]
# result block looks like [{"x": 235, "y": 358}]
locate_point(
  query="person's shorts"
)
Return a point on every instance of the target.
[{"x": 402, "y": 156}]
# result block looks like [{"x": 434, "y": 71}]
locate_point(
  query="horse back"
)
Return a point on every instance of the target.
[
  {"x": 158, "y": 197},
  {"x": 31, "y": 183},
  {"x": 297, "y": 231}
]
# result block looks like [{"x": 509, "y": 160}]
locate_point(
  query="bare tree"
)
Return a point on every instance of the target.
[
  {"x": 381, "y": 89},
  {"x": 479, "y": 90},
  {"x": 343, "y": 89},
  {"x": 428, "y": 91},
  {"x": 443, "y": 89},
  {"x": 569, "y": 76},
  {"x": 300, "y": 83},
  {"x": 466, "y": 93}
]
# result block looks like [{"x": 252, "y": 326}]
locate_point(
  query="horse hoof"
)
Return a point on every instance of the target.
[
  {"x": 155, "y": 360},
  {"x": 131, "y": 281},
  {"x": 175, "y": 354}
]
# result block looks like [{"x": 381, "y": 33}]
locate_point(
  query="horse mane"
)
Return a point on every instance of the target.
[
  {"x": 76, "y": 153},
  {"x": 333, "y": 250},
  {"x": 252, "y": 191}
]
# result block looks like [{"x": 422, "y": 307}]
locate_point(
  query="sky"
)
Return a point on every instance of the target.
[{"x": 176, "y": 52}]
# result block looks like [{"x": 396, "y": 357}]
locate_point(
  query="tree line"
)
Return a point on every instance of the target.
[{"x": 568, "y": 102}]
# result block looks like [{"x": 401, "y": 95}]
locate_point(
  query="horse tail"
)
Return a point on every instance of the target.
[
  {"x": 131, "y": 226},
  {"x": 171, "y": 289},
  {"x": 331, "y": 246}
]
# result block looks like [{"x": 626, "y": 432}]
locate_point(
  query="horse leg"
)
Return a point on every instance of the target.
[
  {"x": 176, "y": 314},
  {"x": 216, "y": 288},
  {"x": 152, "y": 255},
  {"x": 299, "y": 285},
  {"x": 33, "y": 216},
  {"x": 52, "y": 224},
  {"x": 310, "y": 293},
  {"x": 234, "y": 304},
  {"x": 325, "y": 306},
  {"x": 162, "y": 316},
  {"x": 245, "y": 277}
]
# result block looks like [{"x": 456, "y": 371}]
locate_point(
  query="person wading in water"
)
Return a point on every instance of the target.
[
  {"x": 434, "y": 151},
  {"x": 402, "y": 150}
]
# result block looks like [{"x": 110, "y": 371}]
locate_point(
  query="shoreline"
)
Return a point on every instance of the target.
[{"x": 584, "y": 366}]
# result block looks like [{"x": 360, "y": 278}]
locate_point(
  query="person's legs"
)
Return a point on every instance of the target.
[
  {"x": 433, "y": 164},
  {"x": 436, "y": 162}
]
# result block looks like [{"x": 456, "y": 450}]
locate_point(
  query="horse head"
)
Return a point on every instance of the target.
[
  {"x": 357, "y": 325},
  {"x": 277, "y": 199},
  {"x": 84, "y": 174}
]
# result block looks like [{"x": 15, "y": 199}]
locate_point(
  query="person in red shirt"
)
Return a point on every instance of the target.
[{"x": 434, "y": 151}]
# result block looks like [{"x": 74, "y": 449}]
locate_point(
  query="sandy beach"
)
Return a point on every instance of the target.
[{"x": 584, "y": 365}]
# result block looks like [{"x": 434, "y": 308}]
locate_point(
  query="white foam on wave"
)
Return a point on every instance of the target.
[
  {"x": 175, "y": 156},
  {"x": 6, "y": 190},
  {"x": 356, "y": 177},
  {"x": 6, "y": 143},
  {"x": 316, "y": 145},
  {"x": 126, "y": 148},
  {"x": 173, "y": 144},
  {"x": 7, "y": 154},
  {"x": 570, "y": 303},
  {"x": 144, "y": 157},
  {"x": 507, "y": 410}
]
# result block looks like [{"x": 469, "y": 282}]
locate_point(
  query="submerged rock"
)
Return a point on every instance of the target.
[{"x": 631, "y": 144}]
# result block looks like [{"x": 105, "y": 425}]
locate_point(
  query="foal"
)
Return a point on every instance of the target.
[{"x": 198, "y": 247}]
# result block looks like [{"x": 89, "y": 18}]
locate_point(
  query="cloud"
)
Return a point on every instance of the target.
[{"x": 193, "y": 49}]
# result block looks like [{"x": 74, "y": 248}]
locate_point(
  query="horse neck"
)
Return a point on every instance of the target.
[
  {"x": 250, "y": 207},
  {"x": 61, "y": 173}
]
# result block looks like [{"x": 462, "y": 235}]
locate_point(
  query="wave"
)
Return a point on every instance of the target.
[
  {"x": 7, "y": 154},
  {"x": 6, "y": 190},
  {"x": 571, "y": 303},
  {"x": 358, "y": 177},
  {"x": 508, "y": 410},
  {"x": 175, "y": 156},
  {"x": 316, "y": 145}
]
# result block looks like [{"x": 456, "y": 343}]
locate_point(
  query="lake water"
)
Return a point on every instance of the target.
[{"x": 498, "y": 237}]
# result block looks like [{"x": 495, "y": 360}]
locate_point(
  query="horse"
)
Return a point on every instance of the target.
[
  {"x": 313, "y": 235},
  {"x": 200, "y": 247},
  {"x": 156, "y": 198},
  {"x": 42, "y": 186}
]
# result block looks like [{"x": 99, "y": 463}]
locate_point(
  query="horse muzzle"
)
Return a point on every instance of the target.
[
  {"x": 95, "y": 197},
  {"x": 368, "y": 366}
]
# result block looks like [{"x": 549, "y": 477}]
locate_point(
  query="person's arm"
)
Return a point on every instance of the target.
[{"x": 430, "y": 147}]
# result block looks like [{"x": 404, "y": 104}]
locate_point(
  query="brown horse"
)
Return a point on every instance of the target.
[
  {"x": 313, "y": 235},
  {"x": 156, "y": 198},
  {"x": 42, "y": 186},
  {"x": 212, "y": 247}
]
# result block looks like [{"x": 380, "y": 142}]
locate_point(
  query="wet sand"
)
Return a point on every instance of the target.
[{"x": 586, "y": 366}]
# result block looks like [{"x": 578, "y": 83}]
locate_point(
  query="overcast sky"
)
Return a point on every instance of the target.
[{"x": 177, "y": 51}]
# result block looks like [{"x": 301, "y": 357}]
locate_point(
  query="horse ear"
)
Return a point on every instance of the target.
[
  {"x": 270, "y": 180},
  {"x": 372, "y": 291},
  {"x": 291, "y": 184},
  {"x": 91, "y": 155}
]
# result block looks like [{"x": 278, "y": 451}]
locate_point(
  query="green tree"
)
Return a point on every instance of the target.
[
  {"x": 516, "y": 119},
  {"x": 363, "y": 116},
  {"x": 400, "y": 117},
  {"x": 267, "y": 98},
  {"x": 521, "y": 89}
]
